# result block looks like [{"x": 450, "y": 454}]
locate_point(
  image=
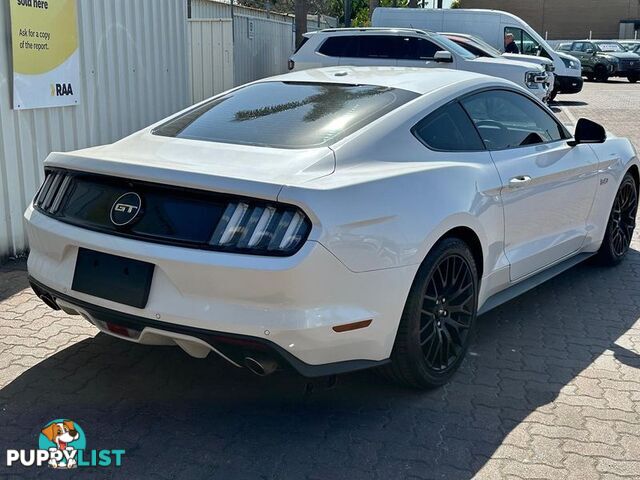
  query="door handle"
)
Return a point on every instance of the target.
[{"x": 519, "y": 181}]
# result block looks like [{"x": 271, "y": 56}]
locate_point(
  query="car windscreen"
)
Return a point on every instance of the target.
[
  {"x": 452, "y": 46},
  {"x": 610, "y": 47},
  {"x": 286, "y": 114},
  {"x": 485, "y": 46}
]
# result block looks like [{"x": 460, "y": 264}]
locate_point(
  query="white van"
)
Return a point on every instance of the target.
[{"x": 491, "y": 26}]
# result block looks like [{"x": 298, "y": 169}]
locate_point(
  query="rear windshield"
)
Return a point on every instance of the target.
[{"x": 286, "y": 114}]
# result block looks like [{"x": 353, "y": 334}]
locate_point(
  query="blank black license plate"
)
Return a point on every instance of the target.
[{"x": 118, "y": 279}]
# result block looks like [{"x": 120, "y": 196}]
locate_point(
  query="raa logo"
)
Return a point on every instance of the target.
[{"x": 61, "y": 89}]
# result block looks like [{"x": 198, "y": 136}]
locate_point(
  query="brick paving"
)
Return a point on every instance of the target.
[{"x": 551, "y": 388}]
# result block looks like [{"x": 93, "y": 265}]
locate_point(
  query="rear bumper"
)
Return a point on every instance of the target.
[
  {"x": 290, "y": 304},
  {"x": 231, "y": 346},
  {"x": 565, "y": 84}
]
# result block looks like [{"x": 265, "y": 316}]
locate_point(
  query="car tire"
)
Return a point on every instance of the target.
[
  {"x": 552, "y": 95},
  {"x": 621, "y": 223},
  {"x": 601, "y": 74},
  {"x": 633, "y": 77},
  {"x": 438, "y": 320}
]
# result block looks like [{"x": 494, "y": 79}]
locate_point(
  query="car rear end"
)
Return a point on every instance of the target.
[
  {"x": 189, "y": 274},
  {"x": 305, "y": 55},
  {"x": 176, "y": 236}
]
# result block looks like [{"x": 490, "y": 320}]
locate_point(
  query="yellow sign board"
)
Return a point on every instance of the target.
[{"x": 46, "y": 60}]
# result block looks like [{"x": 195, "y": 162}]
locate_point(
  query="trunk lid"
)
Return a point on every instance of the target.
[{"x": 227, "y": 168}]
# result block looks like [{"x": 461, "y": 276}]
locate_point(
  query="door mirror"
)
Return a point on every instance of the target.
[
  {"x": 443, "y": 57},
  {"x": 588, "y": 132},
  {"x": 590, "y": 51}
]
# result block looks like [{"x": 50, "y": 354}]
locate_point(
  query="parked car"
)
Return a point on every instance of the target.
[
  {"x": 480, "y": 48},
  {"x": 491, "y": 26},
  {"x": 412, "y": 48},
  {"x": 602, "y": 59},
  {"x": 630, "y": 45},
  {"x": 330, "y": 219}
]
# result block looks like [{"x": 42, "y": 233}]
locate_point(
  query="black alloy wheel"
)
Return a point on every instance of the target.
[
  {"x": 622, "y": 222},
  {"x": 447, "y": 312},
  {"x": 439, "y": 317},
  {"x": 623, "y": 218}
]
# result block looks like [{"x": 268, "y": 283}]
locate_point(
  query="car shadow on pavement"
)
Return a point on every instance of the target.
[
  {"x": 178, "y": 417},
  {"x": 13, "y": 279}
]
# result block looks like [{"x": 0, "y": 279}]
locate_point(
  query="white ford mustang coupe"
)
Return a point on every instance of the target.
[{"x": 330, "y": 220}]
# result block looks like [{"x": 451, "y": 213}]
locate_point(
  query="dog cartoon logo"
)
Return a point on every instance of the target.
[{"x": 63, "y": 438}]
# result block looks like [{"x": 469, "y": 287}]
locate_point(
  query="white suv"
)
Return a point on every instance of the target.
[{"x": 409, "y": 48}]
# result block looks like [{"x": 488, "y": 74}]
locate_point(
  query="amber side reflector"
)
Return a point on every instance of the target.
[{"x": 347, "y": 327}]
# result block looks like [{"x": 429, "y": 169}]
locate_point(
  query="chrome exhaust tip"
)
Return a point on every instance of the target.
[{"x": 261, "y": 365}]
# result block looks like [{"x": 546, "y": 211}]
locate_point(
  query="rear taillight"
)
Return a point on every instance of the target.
[
  {"x": 265, "y": 229},
  {"x": 52, "y": 192}
]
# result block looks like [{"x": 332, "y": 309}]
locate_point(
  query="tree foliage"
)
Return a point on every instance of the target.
[{"x": 360, "y": 9}]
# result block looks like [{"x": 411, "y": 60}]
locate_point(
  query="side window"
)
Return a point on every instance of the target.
[
  {"x": 414, "y": 48},
  {"x": 304, "y": 40},
  {"x": 577, "y": 46},
  {"x": 377, "y": 46},
  {"x": 517, "y": 36},
  {"x": 507, "y": 119},
  {"x": 530, "y": 46},
  {"x": 448, "y": 129},
  {"x": 526, "y": 43},
  {"x": 334, "y": 46}
]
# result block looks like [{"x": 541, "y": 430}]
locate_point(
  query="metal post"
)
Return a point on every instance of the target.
[
  {"x": 347, "y": 13},
  {"x": 233, "y": 26}
]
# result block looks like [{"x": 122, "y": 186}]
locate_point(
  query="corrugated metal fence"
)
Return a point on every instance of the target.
[
  {"x": 219, "y": 9},
  {"x": 134, "y": 71},
  {"x": 210, "y": 57},
  {"x": 261, "y": 48},
  {"x": 262, "y": 41}
]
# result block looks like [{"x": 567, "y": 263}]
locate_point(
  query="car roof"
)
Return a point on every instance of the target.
[
  {"x": 378, "y": 30},
  {"x": 466, "y": 36},
  {"x": 415, "y": 79}
]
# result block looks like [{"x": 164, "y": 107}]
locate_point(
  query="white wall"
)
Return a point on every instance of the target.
[{"x": 133, "y": 72}]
